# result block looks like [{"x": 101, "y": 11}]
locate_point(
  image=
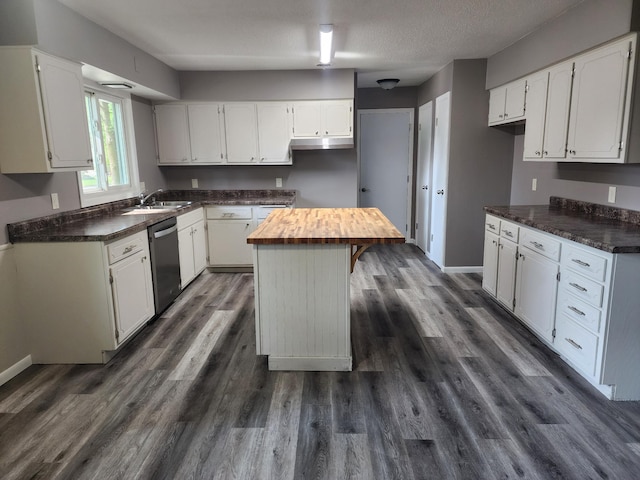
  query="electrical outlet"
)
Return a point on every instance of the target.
[
  {"x": 534, "y": 184},
  {"x": 55, "y": 202},
  {"x": 194, "y": 183},
  {"x": 612, "y": 195},
  {"x": 278, "y": 182}
]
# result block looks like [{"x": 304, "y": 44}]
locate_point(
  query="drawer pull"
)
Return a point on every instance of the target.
[
  {"x": 578, "y": 287},
  {"x": 491, "y": 225},
  {"x": 538, "y": 245},
  {"x": 575, "y": 310},
  {"x": 508, "y": 233},
  {"x": 574, "y": 344},
  {"x": 128, "y": 249},
  {"x": 580, "y": 262}
]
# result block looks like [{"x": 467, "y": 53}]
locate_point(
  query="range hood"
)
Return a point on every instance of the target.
[{"x": 321, "y": 143}]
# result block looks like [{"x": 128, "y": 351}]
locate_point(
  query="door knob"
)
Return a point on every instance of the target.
[
  {"x": 440, "y": 192},
  {"x": 425, "y": 187},
  {"x": 364, "y": 189}
]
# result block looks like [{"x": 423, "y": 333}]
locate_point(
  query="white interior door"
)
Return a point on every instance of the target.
[
  {"x": 425, "y": 132},
  {"x": 385, "y": 154},
  {"x": 439, "y": 184}
]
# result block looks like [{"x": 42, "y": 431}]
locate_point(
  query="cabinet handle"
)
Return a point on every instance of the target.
[
  {"x": 184, "y": 159},
  {"x": 143, "y": 259},
  {"x": 572, "y": 152},
  {"x": 195, "y": 159},
  {"x": 539, "y": 246},
  {"x": 537, "y": 152},
  {"x": 262, "y": 159},
  {"x": 491, "y": 225},
  {"x": 506, "y": 115},
  {"x": 90, "y": 161},
  {"x": 316, "y": 132},
  {"x": 545, "y": 153},
  {"x": 500, "y": 116},
  {"x": 494, "y": 242},
  {"x": 580, "y": 262},
  {"x": 578, "y": 287},
  {"x": 128, "y": 249},
  {"x": 575, "y": 310},
  {"x": 574, "y": 344},
  {"x": 440, "y": 192},
  {"x": 326, "y": 132},
  {"x": 507, "y": 233}
]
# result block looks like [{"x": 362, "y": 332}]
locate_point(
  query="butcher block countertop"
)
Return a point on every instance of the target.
[{"x": 354, "y": 226}]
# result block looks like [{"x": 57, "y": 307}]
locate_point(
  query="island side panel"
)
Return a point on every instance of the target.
[{"x": 302, "y": 305}]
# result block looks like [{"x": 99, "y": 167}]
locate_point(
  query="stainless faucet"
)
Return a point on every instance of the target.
[{"x": 144, "y": 198}]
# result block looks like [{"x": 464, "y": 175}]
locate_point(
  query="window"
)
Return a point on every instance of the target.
[{"x": 114, "y": 176}]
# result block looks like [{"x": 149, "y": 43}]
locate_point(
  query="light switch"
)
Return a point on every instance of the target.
[
  {"x": 278, "y": 182},
  {"x": 612, "y": 195},
  {"x": 194, "y": 183},
  {"x": 55, "y": 203},
  {"x": 534, "y": 184}
]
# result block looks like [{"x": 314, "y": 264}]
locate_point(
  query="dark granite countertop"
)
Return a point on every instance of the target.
[
  {"x": 610, "y": 229},
  {"x": 107, "y": 222}
]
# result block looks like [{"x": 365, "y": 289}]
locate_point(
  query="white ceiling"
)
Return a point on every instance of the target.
[{"x": 405, "y": 39}]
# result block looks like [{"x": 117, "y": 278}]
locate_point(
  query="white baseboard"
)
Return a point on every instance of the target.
[
  {"x": 316, "y": 364},
  {"x": 461, "y": 269},
  {"x": 15, "y": 369}
]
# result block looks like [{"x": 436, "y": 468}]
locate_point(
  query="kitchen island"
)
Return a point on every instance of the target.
[{"x": 302, "y": 261}]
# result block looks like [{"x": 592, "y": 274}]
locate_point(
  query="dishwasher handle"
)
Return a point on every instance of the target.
[{"x": 165, "y": 232}]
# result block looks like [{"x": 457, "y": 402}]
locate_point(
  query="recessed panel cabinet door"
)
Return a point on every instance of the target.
[
  {"x": 228, "y": 242},
  {"x": 199, "y": 237},
  {"x": 557, "y": 117},
  {"x": 273, "y": 133},
  {"x": 205, "y": 133},
  {"x": 62, "y": 89},
  {"x": 241, "y": 128},
  {"x": 172, "y": 129},
  {"x": 307, "y": 119},
  {"x": 506, "y": 273},
  {"x": 185, "y": 253},
  {"x": 490, "y": 263},
  {"x": 536, "y": 115},
  {"x": 337, "y": 118},
  {"x": 598, "y": 103}
]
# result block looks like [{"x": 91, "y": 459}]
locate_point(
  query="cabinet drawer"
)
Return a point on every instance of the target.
[
  {"x": 542, "y": 244},
  {"x": 509, "y": 231},
  {"x": 581, "y": 312},
  {"x": 586, "y": 263},
  {"x": 189, "y": 218},
  {"x": 229, "y": 213},
  {"x": 492, "y": 224},
  {"x": 126, "y": 247},
  {"x": 577, "y": 344},
  {"x": 263, "y": 212},
  {"x": 582, "y": 287}
]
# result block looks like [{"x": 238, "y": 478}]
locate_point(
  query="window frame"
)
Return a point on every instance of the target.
[{"x": 112, "y": 194}]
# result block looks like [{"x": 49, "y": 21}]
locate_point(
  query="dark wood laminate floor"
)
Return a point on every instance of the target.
[{"x": 446, "y": 386}]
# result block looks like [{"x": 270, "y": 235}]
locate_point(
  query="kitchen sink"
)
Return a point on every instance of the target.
[{"x": 158, "y": 207}]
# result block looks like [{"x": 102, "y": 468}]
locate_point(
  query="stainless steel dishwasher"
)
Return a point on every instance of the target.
[{"x": 165, "y": 263}]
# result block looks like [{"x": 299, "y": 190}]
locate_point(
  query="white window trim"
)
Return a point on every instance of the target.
[{"x": 116, "y": 193}]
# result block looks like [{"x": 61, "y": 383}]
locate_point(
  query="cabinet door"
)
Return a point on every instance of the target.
[
  {"x": 205, "y": 133},
  {"x": 307, "y": 119},
  {"x": 199, "y": 237},
  {"x": 273, "y": 133},
  {"x": 490, "y": 263},
  {"x": 515, "y": 97},
  {"x": 536, "y": 115},
  {"x": 228, "y": 242},
  {"x": 185, "y": 252},
  {"x": 337, "y": 119},
  {"x": 536, "y": 291},
  {"x": 241, "y": 130},
  {"x": 598, "y": 102},
  {"x": 557, "y": 118},
  {"x": 65, "y": 117},
  {"x": 506, "y": 283},
  {"x": 132, "y": 293},
  {"x": 496, "y": 105},
  {"x": 172, "y": 131}
]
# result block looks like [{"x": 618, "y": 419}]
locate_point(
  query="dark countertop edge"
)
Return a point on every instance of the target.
[
  {"x": 606, "y": 247},
  {"x": 114, "y": 208}
]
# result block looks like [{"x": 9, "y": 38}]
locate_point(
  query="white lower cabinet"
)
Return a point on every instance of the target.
[
  {"x": 192, "y": 245},
  {"x": 228, "y": 229},
  {"x": 500, "y": 256},
  {"x": 505, "y": 283},
  {"x": 82, "y": 300},
  {"x": 581, "y": 301}
]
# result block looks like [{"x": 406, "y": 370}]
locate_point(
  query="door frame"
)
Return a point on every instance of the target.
[
  {"x": 410, "y": 160},
  {"x": 428, "y": 166}
]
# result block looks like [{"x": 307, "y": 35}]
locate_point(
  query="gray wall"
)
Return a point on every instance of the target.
[
  {"x": 326, "y": 178},
  {"x": 148, "y": 169},
  {"x": 59, "y": 30},
  {"x": 399, "y": 97},
  {"x": 565, "y": 36},
  {"x": 479, "y": 159},
  {"x": 588, "y": 24}
]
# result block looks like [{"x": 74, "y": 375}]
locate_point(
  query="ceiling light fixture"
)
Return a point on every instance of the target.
[
  {"x": 326, "y": 40},
  {"x": 117, "y": 85},
  {"x": 388, "y": 83}
]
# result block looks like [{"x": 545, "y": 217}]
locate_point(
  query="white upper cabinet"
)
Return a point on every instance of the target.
[
  {"x": 273, "y": 133},
  {"x": 600, "y": 103},
  {"x": 189, "y": 134},
  {"x": 43, "y": 121},
  {"x": 548, "y": 100},
  {"x": 507, "y": 103},
  {"x": 206, "y": 133},
  {"x": 172, "y": 130},
  {"x": 328, "y": 118},
  {"x": 241, "y": 128}
]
